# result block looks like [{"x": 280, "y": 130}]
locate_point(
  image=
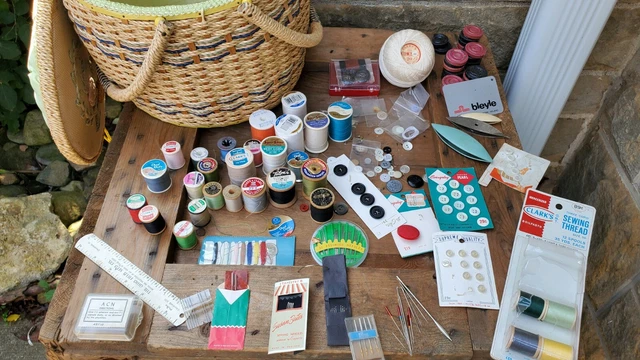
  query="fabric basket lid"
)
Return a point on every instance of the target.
[{"x": 72, "y": 99}]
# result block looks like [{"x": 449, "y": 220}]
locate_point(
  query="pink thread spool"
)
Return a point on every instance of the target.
[{"x": 173, "y": 155}]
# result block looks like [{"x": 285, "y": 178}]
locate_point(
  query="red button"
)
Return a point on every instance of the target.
[
  {"x": 304, "y": 207},
  {"x": 408, "y": 232}
]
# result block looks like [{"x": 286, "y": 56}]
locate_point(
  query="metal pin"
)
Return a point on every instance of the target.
[{"x": 442, "y": 330}]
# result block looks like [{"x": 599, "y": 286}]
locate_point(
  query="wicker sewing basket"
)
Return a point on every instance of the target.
[{"x": 210, "y": 68}]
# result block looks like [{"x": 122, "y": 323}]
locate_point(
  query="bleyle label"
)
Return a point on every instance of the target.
[{"x": 479, "y": 95}]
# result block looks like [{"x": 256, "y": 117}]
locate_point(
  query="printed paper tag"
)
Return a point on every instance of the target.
[{"x": 479, "y": 95}]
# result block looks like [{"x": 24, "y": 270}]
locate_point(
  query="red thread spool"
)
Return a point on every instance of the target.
[
  {"x": 134, "y": 203},
  {"x": 253, "y": 145}
]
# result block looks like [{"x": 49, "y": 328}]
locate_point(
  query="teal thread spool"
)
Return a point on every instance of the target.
[{"x": 213, "y": 195}]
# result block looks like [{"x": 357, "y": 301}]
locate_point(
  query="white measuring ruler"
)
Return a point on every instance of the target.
[{"x": 133, "y": 278}]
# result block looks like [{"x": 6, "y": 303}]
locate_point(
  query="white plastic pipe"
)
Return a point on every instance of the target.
[{"x": 555, "y": 43}]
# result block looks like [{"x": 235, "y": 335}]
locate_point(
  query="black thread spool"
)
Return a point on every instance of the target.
[
  {"x": 152, "y": 220},
  {"x": 322, "y": 205},
  {"x": 282, "y": 187}
]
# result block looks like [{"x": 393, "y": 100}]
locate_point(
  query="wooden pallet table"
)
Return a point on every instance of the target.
[{"x": 139, "y": 137}]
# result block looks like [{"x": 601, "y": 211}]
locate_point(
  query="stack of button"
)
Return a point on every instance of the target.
[
  {"x": 454, "y": 62},
  {"x": 451, "y": 79},
  {"x": 474, "y": 72},
  {"x": 441, "y": 43},
  {"x": 476, "y": 52},
  {"x": 469, "y": 33}
]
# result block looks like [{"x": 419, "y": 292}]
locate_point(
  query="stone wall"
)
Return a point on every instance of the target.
[
  {"x": 605, "y": 173},
  {"x": 502, "y": 22}
]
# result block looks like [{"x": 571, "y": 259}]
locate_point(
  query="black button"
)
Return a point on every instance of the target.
[
  {"x": 367, "y": 199},
  {"x": 341, "y": 209},
  {"x": 386, "y": 150},
  {"x": 415, "y": 181},
  {"x": 358, "y": 188},
  {"x": 376, "y": 212},
  {"x": 340, "y": 170}
]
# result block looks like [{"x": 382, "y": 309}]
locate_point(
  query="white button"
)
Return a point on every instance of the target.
[
  {"x": 443, "y": 199},
  {"x": 454, "y": 184},
  {"x": 378, "y": 131},
  {"x": 441, "y": 189},
  {"x": 456, "y": 194},
  {"x": 407, "y": 146},
  {"x": 462, "y": 217},
  {"x": 405, "y": 169},
  {"x": 459, "y": 205},
  {"x": 367, "y": 161},
  {"x": 387, "y": 157},
  {"x": 472, "y": 200},
  {"x": 358, "y": 168},
  {"x": 483, "y": 221},
  {"x": 379, "y": 157},
  {"x": 382, "y": 115},
  {"x": 397, "y": 174},
  {"x": 379, "y": 152},
  {"x": 447, "y": 209},
  {"x": 474, "y": 211},
  {"x": 468, "y": 189},
  {"x": 397, "y": 130},
  {"x": 370, "y": 173},
  {"x": 377, "y": 169},
  {"x": 385, "y": 177}
]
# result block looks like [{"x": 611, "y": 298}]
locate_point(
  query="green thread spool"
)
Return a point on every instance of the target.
[
  {"x": 531, "y": 305},
  {"x": 185, "y": 235},
  {"x": 560, "y": 315},
  {"x": 314, "y": 176},
  {"x": 209, "y": 168},
  {"x": 213, "y": 195}
]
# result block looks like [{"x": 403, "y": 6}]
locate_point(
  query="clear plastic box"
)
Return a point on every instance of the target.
[
  {"x": 113, "y": 317},
  {"x": 364, "y": 339},
  {"x": 354, "y": 77}
]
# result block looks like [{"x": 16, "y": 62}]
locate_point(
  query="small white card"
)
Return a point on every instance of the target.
[
  {"x": 415, "y": 209},
  {"x": 479, "y": 95},
  {"x": 515, "y": 168}
]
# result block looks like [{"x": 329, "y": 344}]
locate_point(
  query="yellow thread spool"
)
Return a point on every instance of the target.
[{"x": 553, "y": 350}]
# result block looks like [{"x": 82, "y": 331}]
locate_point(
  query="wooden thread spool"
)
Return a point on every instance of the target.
[
  {"x": 156, "y": 176},
  {"x": 274, "y": 153},
  {"x": 282, "y": 188},
  {"x": 152, "y": 220},
  {"x": 295, "y": 161},
  {"x": 193, "y": 182},
  {"x": 314, "y": 175},
  {"x": 198, "y": 212},
  {"x": 290, "y": 128},
  {"x": 262, "y": 124},
  {"x": 232, "y": 198},
  {"x": 240, "y": 165},
  {"x": 134, "y": 203},
  {"x": 209, "y": 168},
  {"x": 173, "y": 155},
  {"x": 185, "y": 235},
  {"x": 254, "y": 195},
  {"x": 322, "y": 200},
  {"x": 316, "y": 132},
  {"x": 253, "y": 145},
  {"x": 213, "y": 195},
  {"x": 197, "y": 155}
]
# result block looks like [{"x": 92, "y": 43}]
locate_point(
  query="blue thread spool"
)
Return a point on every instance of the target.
[
  {"x": 341, "y": 124},
  {"x": 156, "y": 176},
  {"x": 225, "y": 144}
]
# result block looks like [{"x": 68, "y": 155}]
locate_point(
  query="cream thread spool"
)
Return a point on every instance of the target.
[
  {"x": 240, "y": 165},
  {"x": 294, "y": 103},
  {"x": 213, "y": 195},
  {"x": 193, "y": 182},
  {"x": 262, "y": 124},
  {"x": 254, "y": 195},
  {"x": 173, "y": 155},
  {"x": 197, "y": 155},
  {"x": 316, "y": 132},
  {"x": 199, "y": 213},
  {"x": 282, "y": 188},
  {"x": 406, "y": 58},
  {"x": 290, "y": 128},
  {"x": 274, "y": 153},
  {"x": 232, "y": 198},
  {"x": 253, "y": 145}
]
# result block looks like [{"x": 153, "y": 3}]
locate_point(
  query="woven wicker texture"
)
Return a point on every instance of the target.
[{"x": 207, "y": 71}]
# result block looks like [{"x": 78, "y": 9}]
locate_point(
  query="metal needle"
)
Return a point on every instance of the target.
[{"x": 442, "y": 330}]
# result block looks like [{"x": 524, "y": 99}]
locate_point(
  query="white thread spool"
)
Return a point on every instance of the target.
[
  {"x": 173, "y": 155},
  {"x": 254, "y": 195},
  {"x": 291, "y": 129},
  {"x": 197, "y": 155},
  {"x": 240, "y": 165},
  {"x": 406, "y": 58},
  {"x": 232, "y": 198},
  {"x": 316, "y": 132},
  {"x": 194, "y": 182},
  {"x": 294, "y": 103},
  {"x": 274, "y": 153}
]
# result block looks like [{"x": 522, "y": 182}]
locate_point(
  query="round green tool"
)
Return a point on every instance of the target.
[{"x": 340, "y": 237}]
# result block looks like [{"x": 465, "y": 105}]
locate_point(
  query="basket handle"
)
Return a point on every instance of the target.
[
  {"x": 164, "y": 29},
  {"x": 254, "y": 15}
]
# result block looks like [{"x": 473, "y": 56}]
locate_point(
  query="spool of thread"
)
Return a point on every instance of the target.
[
  {"x": 193, "y": 182},
  {"x": 197, "y": 155},
  {"x": 314, "y": 175},
  {"x": 316, "y": 132},
  {"x": 531, "y": 305},
  {"x": 406, "y": 58},
  {"x": 198, "y": 212},
  {"x": 152, "y": 220},
  {"x": 209, "y": 168},
  {"x": 322, "y": 205},
  {"x": 185, "y": 235},
  {"x": 274, "y": 153},
  {"x": 262, "y": 124},
  {"x": 294, "y": 103},
  {"x": 225, "y": 144},
  {"x": 213, "y": 195},
  {"x": 553, "y": 350},
  {"x": 134, "y": 203},
  {"x": 295, "y": 161},
  {"x": 232, "y": 198},
  {"x": 451, "y": 79},
  {"x": 341, "y": 121},
  {"x": 173, "y": 155},
  {"x": 559, "y": 315},
  {"x": 254, "y": 195},
  {"x": 282, "y": 188},
  {"x": 240, "y": 165},
  {"x": 537, "y": 347},
  {"x": 156, "y": 176},
  {"x": 476, "y": 52},
  {"x": 253, "y": 145},
  {"x": 290, "y": 128}
]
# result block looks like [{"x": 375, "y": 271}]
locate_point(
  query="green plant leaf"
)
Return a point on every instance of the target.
[
  {"x": 8, "y": 97},
  {"x": 6, "y": 76},
  {"x": 4, "y": 5},
  {"x": 20, "y": 7},
  {"x": 11, "y": 120},
  {"x": 8, "y": 33},
  {"x": 9, "y": 50},
  {"x": 7, "y": 17},
  {"x": 27, "y": 94},
  {"x": 24, "y": 32},
  {"x": 44, "y": 285},
  {"x": 49, "y": 295}
]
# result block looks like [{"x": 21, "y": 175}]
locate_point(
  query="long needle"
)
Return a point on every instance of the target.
[
  {"x": 403, "y": 321},
  {"x": 442, "y": 330}
]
